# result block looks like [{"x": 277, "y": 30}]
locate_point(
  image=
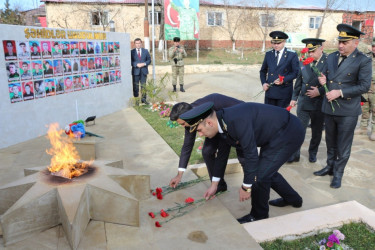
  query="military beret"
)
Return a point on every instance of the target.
[
  {"x": 196, "y": 115},
  {"x": 313, "y": 43},
  {"x": 348, "y": 32},
  {"x": 278, "y": 36},
  {"x": 176, "y": 39}
]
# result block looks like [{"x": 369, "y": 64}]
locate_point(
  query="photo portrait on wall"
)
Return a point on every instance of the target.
[
  {"x": 15, "y": 92},
  {"x": 25, "y": 70},
  {"x": 46, "y": 49},
  {"x": 39, "y": 89},
  {"x": 27, "y": 90},
  {"x": 23, "y": 50},
  {"x": 35, "y": 50},
  {"x": 12, "y": 71},
  {"x": 59, "y": 83},
  {"x": 10, "y": 50}
]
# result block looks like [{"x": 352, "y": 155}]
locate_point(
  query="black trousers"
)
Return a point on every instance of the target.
[
  {"x": 271, "y": 158},
  {"x": 141, "y": 78},
  {"x": 282, "y": 103},
  {"x": 317, "y": 122},
  {"x": 210, "y": 147},
  {"x": 339, "y": 139}
]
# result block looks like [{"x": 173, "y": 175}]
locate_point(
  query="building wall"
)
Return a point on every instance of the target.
[{"x": 130, "y": 19}]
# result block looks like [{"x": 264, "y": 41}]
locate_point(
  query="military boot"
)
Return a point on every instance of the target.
[
  {"x": 174, "y": 88},
  {"x": 324, "y": 171},
  {"x": 182, "y": 88}
]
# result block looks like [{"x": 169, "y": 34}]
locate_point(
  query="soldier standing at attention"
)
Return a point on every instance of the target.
[
  {"x": 348, "y": 76},
  {"x": 177, "y": 53},
  {"x": 368, "y": 108},
  {"x": 309, "y": 94},
  {"x": 279, "y": 62}
]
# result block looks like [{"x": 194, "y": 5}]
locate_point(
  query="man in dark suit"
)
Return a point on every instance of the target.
[
  {"x": 309, "y": 94},
  {"x": 140, "y": 59},
  {"x": 348, "y": 76},
  {"x": 278, "y": 134},
  {"x": 210, "y": 146},
  {"x": 278, "y": 62}
]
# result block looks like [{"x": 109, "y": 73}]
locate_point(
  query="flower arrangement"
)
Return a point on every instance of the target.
[
  {"x": 308, "y": 60},
  {"x": 178, "y": 210},
  {"x": 289, "y": 108},
  {"x": 281, "y": 79},
  {"x": 160, "y": 191},
  {"x": 332, "y": 242}
]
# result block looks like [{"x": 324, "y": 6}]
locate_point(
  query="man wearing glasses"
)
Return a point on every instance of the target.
[{"x": 279, "y": 61}]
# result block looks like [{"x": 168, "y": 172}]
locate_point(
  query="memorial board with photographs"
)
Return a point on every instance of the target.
[{"x": 43, "y": 68}]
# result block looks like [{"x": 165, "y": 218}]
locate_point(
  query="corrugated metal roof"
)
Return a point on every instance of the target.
[{"x": 203, "y": 2}]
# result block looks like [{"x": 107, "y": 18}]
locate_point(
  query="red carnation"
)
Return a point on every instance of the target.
[
  {"x": 153, "y": 193},
  {"x": 157, "y": 224},
  {"x": 281, "y": 78},
  {"x": 163, "y": 213},
  {"x": 159, "y": 196},
  {"x": 362, "y": 103},
  {"x": 159, "y": 190},
  {"x": 308, "y": 60},
  {"x": 289, "y": 108},
  {"x": 304, "y": 50},
  {"x": 152, "y": 215},
  {"x": 189, "y": 200}
]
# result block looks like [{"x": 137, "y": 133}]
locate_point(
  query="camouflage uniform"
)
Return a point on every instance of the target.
[
  {"x": 177, "y": 64},
  {"x": 368, "y": 108}
]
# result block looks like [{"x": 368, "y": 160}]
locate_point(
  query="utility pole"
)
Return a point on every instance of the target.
[{"x": 146, "y": 28}]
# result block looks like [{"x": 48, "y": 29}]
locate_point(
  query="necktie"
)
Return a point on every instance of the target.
[
  {"x": 139, "y": 54},
  {"x": 277, "y": 57},
  {"x": 342, "y": 60}
]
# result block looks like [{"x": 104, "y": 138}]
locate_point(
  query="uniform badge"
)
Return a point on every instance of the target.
[{"x": 224, "y": 125}]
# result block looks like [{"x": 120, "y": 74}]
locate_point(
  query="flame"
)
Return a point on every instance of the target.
[{"x": 65, "y": 160}]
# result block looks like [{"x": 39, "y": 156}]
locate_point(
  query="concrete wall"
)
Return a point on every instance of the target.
[
  {"x": 25, "y": 120},
  {"x": 129, "y": 18}
]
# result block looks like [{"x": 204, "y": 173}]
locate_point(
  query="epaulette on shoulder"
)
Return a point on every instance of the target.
[
  {"x": 269, "y": 50},
  {"x": 290, "y": 50}
]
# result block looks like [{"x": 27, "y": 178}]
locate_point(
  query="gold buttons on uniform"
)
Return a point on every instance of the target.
[
  {"x": 330, "y": 81},
  {"x": 307, "y": 84},
  {"x": 348, "y": 74}
]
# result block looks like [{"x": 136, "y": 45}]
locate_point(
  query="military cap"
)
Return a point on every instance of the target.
[
  {"x": 348, "y": 32},
  {"x": 313, "y": 43},
  {"x": 35, "y": 45},
  {"x": 278, "y": 36},
  {"x": 176, "y": 39},
  {"x": 196, "y": 115}
]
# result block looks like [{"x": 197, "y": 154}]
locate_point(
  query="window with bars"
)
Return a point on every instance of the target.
[
  {"x": 157, "y": 17},
  {"x": 315, "y": 22},
  {"x": 215, "y": 19},
  {"x": 267, "y": 20}
]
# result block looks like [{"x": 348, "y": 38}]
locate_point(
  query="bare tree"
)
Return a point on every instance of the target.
[
  {"x": 330, "y": 5},
  {"x": 269, "y": 16},
  {"x": 235, "y": 16}
]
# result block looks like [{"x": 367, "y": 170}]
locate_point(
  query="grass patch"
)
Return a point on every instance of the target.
[
  {"x": 357, "y": 236},
  {"x": 216, "y": 56},
  {"x": 174, "y": 137}
]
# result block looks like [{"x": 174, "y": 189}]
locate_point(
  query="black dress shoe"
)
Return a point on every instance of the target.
[
  {"x": 280, "y": 202},
  {"x": 247, "y": 218},
  {"x": 312, "y": 158},
  {"x": 336, "y": 182},
  {"x": 324, "y": 171},
  {"x": 221, "y": 189},
  {"x": 293, "y": 159}
]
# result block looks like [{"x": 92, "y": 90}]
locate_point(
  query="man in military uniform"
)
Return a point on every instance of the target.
[
  {"x": 278, "y": 134},
  {"x": 278, "y": 62},
  {"x": 368, "y": 108},
  {"x": 309, "y": 94},
  {"x": 189, "y": 24},
  {"x": 348, "y": 76},
  {"x": 210, "y": 146},
  {"x": 177, "y": 53}
]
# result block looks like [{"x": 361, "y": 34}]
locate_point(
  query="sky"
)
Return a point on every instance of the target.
[{"x": 356, "y": 5}]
